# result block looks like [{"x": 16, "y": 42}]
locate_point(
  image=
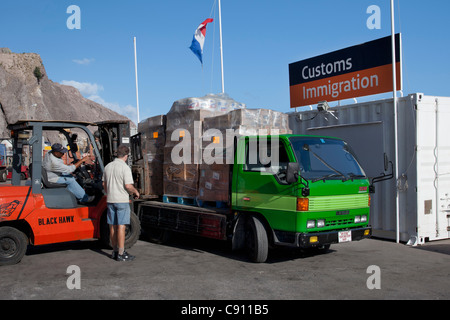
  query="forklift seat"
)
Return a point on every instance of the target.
[
  {"x": 48, "y": 184},
  {"x": 56, "y": 196}
]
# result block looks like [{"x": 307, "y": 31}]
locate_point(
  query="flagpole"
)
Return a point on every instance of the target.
[
  {"x": 394, "y": 79},
  {"x": 221, "y": 46},
  {"x": 137, "y": 86}
]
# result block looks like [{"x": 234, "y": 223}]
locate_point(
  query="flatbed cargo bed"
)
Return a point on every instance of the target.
[{"x": 206, "y": 222}]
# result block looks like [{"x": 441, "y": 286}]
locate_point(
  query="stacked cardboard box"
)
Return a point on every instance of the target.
[
  {"x": 181, "y": 152},
  {"x": 153, "y": 139}
]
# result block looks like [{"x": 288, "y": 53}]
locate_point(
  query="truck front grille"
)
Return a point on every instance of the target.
[
  {"x": 338, "y": 222},
  {"x": 333, "y": 203}
]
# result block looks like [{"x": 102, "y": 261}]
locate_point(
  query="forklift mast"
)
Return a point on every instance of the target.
[{"x": 110, "y": 135}]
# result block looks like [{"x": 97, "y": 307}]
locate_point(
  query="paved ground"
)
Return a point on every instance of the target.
[{"x": 188, "y": 268}]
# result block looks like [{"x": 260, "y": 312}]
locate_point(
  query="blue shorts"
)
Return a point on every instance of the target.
[{"x": 118, "y": 214}]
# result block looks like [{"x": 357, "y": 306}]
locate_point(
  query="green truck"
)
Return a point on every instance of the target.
[{"x": 285, "y": 190}]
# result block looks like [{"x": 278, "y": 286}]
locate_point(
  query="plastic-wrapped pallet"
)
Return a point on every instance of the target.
[
  {"x": 185, "y": 119},
  {"x": 184, "y": 140},
  {"x": 215, "y": 103}
]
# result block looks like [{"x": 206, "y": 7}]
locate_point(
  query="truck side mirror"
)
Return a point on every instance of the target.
[
  {"x": 292, "y": 172},
  {"x": 383, "y": 176}
]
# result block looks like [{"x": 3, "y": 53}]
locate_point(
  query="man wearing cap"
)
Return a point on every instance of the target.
[{"x": 58, "y": 172}]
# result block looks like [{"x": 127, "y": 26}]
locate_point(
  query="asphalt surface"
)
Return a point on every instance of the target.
[{"x": 192, "y": 268}]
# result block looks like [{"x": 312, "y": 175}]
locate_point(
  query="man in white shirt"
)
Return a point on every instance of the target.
[
  {"x": 58, "y": 172},
  {"x": 118, "y": 184}
]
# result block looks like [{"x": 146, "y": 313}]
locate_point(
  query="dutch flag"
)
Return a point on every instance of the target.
[{"x": 199, "y": 39}]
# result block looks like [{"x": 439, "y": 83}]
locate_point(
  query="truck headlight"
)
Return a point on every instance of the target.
[
  {"x": 358, "y": 219},
  {"x": 320, "y": 223},
  {"x": 310, "y": 224},
  {"x": 364, "y": 218}
]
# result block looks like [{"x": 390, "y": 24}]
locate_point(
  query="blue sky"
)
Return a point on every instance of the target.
[{"x": 260, "y": 38}]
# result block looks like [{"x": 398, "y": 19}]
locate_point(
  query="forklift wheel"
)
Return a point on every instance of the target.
[{"x": 13, "y": 245}]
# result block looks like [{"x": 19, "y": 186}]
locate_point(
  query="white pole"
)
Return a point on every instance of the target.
[
  {"x": 221, "y": 47},
  {"x": 394, "y": 79},
  {"x": 137, "y": 85}
]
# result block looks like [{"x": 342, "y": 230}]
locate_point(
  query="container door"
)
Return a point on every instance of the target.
[{"x": 433, "y": 168}]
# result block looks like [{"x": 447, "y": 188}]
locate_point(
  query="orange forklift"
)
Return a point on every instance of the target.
[{"x": 37, "y": 212}]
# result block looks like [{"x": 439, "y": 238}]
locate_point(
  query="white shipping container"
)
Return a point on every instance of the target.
[{"x": 423, "y": 144}]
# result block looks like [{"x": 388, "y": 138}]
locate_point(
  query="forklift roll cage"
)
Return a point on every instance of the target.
[{"x": 35, "y": 141}]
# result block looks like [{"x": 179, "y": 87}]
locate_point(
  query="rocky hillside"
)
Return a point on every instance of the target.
[{"x": 27, "y": 93}]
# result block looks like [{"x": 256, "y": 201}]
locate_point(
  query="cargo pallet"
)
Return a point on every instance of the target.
[
  {"x": 180, "y": 200},
  {"x": 195, "y": 202},
  {"x": 212, "y": 204}
]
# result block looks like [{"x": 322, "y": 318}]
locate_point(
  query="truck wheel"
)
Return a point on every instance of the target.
[
  {"x": 132, "y": 231},
  {"x": 13, "y": 245},
  {"x": 256, "y": 240},
  {"x": 155, "y": 235}
]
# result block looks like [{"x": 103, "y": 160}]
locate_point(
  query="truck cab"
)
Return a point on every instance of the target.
[{"x": 304, "y": 191}]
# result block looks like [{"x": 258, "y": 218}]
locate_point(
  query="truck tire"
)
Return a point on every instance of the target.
[
  {"x": 256, "y": 240},
  {"x": 13, "y": 245},
  {"x": 132, "y": 232}
]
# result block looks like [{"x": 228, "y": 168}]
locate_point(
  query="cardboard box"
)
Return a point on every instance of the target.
[
  {"x": 148, "y": 124},
  {"x": 180, "y": 172},
  {"x": 214, "y": 182}
]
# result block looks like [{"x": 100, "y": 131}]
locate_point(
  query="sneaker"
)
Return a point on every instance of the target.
[
  {"x": 114, "y": 255},
  {"x": 125, "y": 257}
]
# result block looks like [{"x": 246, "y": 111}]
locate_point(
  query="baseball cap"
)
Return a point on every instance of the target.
[{"x": 59, "y": 148}]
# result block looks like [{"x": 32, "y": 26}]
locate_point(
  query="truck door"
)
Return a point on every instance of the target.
[{"x": 261, "y": 184}]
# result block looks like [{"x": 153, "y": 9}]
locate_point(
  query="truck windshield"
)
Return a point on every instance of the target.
[{"x": 326, "y": 159}]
